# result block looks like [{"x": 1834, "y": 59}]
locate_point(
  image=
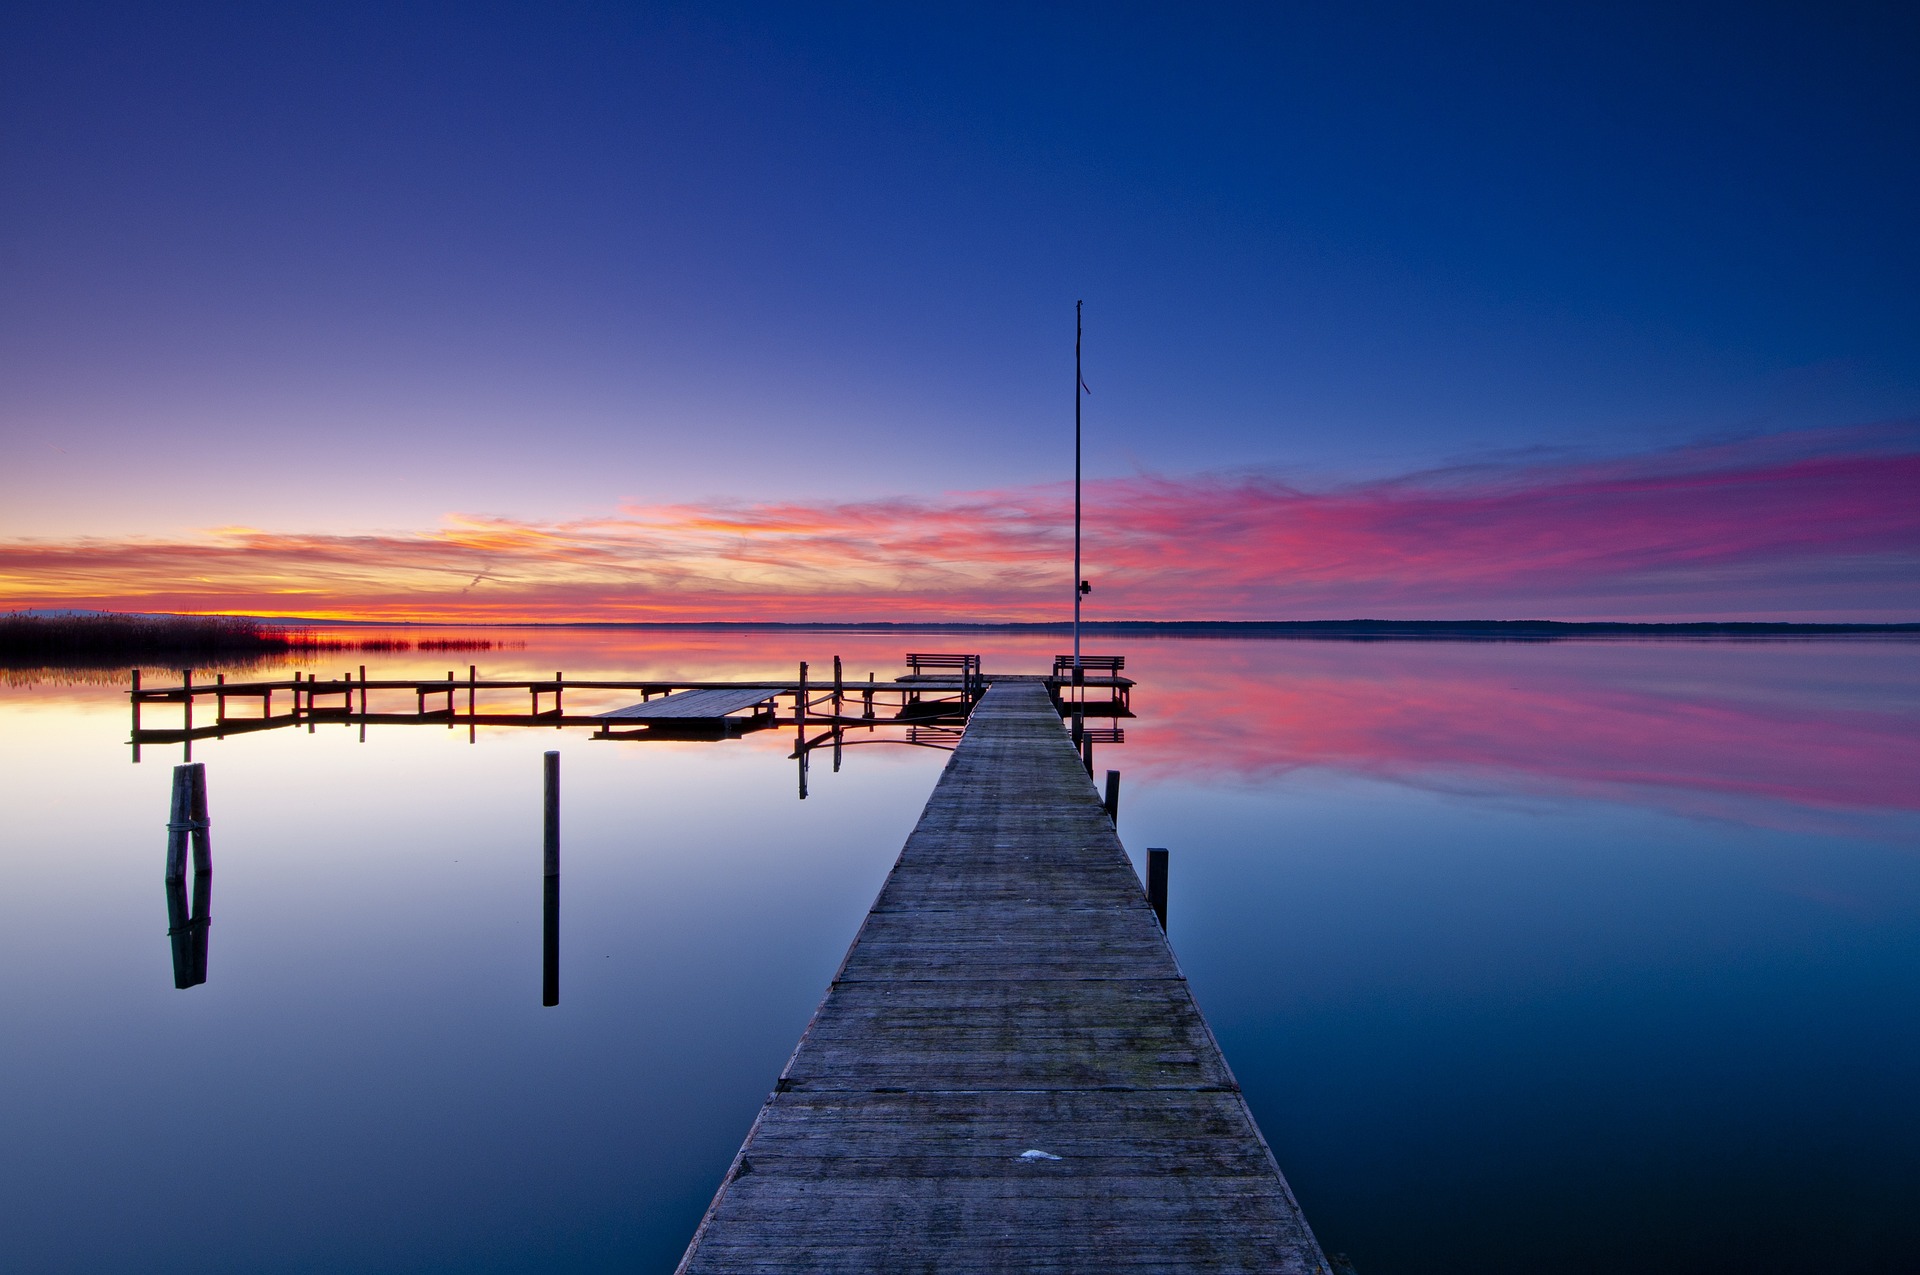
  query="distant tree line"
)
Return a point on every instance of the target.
[{"x": 107, "y": 639}]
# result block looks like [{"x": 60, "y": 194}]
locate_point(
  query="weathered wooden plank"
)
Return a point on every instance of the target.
[
  {"x": 1008, "y": 1071},
  {"x": 717, "y": 702}
]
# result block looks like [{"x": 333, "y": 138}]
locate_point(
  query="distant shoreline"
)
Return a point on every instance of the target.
[
  {"x": 1385, "y": 629},
  {"x": 265, "y": 630}
]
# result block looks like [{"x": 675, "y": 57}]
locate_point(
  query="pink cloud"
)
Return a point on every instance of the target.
[{"x": 1821, "y": 525}]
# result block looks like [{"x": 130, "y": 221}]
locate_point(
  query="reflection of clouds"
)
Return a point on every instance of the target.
[
  {"x": 1803, "y": 525},
  {"x": 1673, "y": 725}
]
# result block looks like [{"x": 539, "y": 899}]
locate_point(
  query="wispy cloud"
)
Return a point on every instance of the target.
[{"x": 1809, "y": 525}]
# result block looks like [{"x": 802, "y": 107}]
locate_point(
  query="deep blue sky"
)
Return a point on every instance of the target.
[{"x": 342, "y": 266}]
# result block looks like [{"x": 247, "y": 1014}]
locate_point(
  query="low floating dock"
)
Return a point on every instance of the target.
[{"x": 1008, "y": 1072}]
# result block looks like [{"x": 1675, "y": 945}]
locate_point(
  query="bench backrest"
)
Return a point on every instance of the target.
[
  {"x": 920, "y": 661},
  {"x": 1089, "y": 663}
]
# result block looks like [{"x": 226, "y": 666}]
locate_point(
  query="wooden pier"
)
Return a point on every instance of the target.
[
  {"x": 937, "y": 688},
  {"x": 1008, "y": 1072}
]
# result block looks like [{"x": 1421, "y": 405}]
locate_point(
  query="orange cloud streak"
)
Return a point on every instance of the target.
[{"x": 1813, "y": 526}]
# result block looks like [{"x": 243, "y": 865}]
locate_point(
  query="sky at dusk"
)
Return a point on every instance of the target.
[{"x": 648, "y": 311}]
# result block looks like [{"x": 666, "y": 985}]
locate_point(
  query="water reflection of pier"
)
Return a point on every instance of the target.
[{"x": 929, "y": 706}]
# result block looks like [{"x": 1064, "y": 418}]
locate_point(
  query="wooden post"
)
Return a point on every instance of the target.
[
  {"x": 800, "y": 705},
  {"x": 136, "y": 716},
  {"x": 867, "y": 711},
  {"x": 1157, "y": 884},
  {"x": 187, "y": 820},
  {"x": 839, "y": 691},
  {"x": 186, "y": 695},
  {"x": 202, "y": 848},
  {"x": 363, "y": 691},
  {"x": 473, "y": 679},
  {"x": 1113, "y": 795},
  {"x": 550, "y": 912},
  {"x": 220, "y": 699},
  {"x": 1086, "y": 751},
  {"x": 449, "y": 699},
  {"x": 559, "y": 700},
  {"x": 179, "y": 814},
  {"x": 552, "y": 809}
]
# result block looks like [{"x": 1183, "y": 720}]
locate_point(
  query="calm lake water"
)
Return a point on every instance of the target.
[{"x": 1563, "y": 957}]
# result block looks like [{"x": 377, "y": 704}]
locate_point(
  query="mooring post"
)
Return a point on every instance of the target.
[
  {"x": 1157, "y": 884},
  {"x": 839, "y": 689},
  {"x": 220, "y": 699},
  {"x": 550, "y": 909},
  {"x": 1086, "y": 751},
  {"x": 867, "y": 696},
  {"x": 559, "y": 698},
  {"x": 135, "y": 697},
  {"x": 187, "y": 818},
  {"x": 363, "y": 692},
  {"x": 552, "y": 811},
  {"x": 179, "y": 814},
  {"x": 202, "y": 847},
  {"x": 1112, "y": 802},
  {"x": 800, "y": 707}
]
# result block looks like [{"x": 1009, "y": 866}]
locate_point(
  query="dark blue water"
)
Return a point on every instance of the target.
[{"x": 1571, "y": 958}]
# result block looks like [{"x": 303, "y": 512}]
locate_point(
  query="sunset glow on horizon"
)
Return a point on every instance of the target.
[{"x": 1821, "y": 526}]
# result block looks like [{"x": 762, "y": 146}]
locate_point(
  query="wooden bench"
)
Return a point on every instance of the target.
[
  {"x": 923, "y": 662},
  {"x": 1107, "y": 664}
]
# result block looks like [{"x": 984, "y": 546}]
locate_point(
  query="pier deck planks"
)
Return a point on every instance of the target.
[
  {"x": 698, "y": 705},
  {"x": 1009, "y": 991}
]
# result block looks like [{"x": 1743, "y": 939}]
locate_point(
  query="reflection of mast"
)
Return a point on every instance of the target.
[{"x": 187, "y": 822}]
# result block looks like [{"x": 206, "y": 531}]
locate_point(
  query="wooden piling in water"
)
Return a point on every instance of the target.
[
  {"x": 1112, "y": 802},
  {"x": 551, "y": 809},
  {"x": 187, "y": 821},
  {"x": 1157, "y": 884},
  {"x": 550, "y": 905}
]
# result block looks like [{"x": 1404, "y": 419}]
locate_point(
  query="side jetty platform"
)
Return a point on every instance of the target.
[{"x": 1008, "y": 1072}]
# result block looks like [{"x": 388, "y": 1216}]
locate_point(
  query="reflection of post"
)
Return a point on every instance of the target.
[
  {"x": 187, "y": 931},
  {"x": 1157, "y": 884},
  {"x": 550, "y": 912},
  {"x": 837, "y": 732}
]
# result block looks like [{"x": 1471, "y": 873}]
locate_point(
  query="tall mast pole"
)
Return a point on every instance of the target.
[{"x": 1077, "y": 382}]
